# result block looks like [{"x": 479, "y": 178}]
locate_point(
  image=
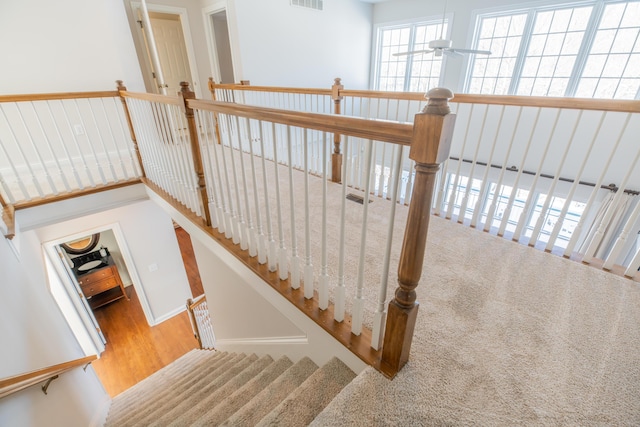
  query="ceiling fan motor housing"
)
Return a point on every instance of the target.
[{"x": 440, "y": 44}]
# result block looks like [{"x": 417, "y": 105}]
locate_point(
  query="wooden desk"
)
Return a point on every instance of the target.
[{"x": 102, "y": 286}]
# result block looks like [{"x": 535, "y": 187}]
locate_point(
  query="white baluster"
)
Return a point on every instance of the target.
[
  {"x": 477, "y": 209},
  {"x": 23, "y": 189},
  {"x": 63, "y": 143},
  {"x": 295, "y": 260},
  {"x": 597, "y": 238},
  {"x": 358, "y": 302},
  {"x": 527, "y": 205},
  {"x": 25, "y": 160},
  {"x": 308, "y": 265},
  {"x": 323, "y": 280},
  {"x": 53, "y": 153},
  {"x": 205, "y": 143},
  {"x": 543, "y": 212},
  {"x": 102, "y": 143},
  {"x": 272, "y": 257},
  {"x": 90, "y": 144},
  {"x": 456, "y": 180},
  {"x": 578, "y": 230},
  {"x": 465, "y": 198},
  {"x": 622, "y": 238},
  {"x": 380, "y": 317},
  {"x": 231, "y": 228},
  {"x": 252, "y": 238},
  {"x": 127, "y": 140},
  {"x": 282, "y": 252},
  {"x": 634, "y": 265},
  {"x": 338, "y": 313},
  {"x": 261, "y": 244},
  {"x": 574, "y": 186},
  {"x": 110, "y": 126}
]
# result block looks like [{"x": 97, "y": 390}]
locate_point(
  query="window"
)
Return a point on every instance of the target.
[
  {"x": 586, "y": 50},
  {"x": 413, "y": 73}
]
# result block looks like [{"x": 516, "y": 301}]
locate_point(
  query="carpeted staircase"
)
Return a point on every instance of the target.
[{"x": 209, "y": 388}]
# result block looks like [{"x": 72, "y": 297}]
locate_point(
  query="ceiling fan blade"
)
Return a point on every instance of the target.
[
  {"x": 479, "y": 52},
  {"x": 412, "y": 52},
  {"x": 452, "y": 53}
]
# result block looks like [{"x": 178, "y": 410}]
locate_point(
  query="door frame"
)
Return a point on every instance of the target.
[
  {"x": 69, "y": 287},
  {"x": 188, "y": 41},
  {"x": 207, "y": 12}
]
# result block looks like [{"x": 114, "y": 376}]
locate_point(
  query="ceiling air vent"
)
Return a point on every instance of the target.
[{"x": 311, "y": 4}]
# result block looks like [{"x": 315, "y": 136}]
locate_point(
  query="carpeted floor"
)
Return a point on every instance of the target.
[{"x": 507, "y": 335}]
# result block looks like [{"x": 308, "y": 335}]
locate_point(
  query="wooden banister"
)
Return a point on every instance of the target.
[
  {"x": 8, "y": 214},
  {"x": 336, "y": 156},
  {"x": 20, "y": 382},
  {"x": 191, "y": 306},
  {"x": 54, "y": 96},
  {"x": 433, "y": 129},
  {"x": 186, "y": 94},
  {"x": 121, "y": 89}
]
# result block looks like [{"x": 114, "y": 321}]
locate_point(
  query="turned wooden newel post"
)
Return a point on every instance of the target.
[
  {"x": 336, "y": 157},
  {"x": 122, "y": 88},
  {"x": 430, "y": 145},
  {"x": 186, "y": 93}
]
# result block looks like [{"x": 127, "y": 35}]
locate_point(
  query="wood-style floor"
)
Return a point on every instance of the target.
[{"x": 135, "y": 350}]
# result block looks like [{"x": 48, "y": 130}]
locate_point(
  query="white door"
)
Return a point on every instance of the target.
[
  {"x": 76, "y": 294},
  {"x": 172, "y": 50}
]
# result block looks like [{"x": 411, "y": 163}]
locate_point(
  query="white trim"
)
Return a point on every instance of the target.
[
  {"x": 169, "y": 315},
  {"x": 100, "y": 415},
  {"x": 301, "y": 339},
  {"x": 219, "y": 6},
  {"x": 186, "y": 31},
  {"x": 128, "y": 261}
]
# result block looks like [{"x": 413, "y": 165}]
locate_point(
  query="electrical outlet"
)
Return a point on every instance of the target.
[{"x": 78, "y": 129}]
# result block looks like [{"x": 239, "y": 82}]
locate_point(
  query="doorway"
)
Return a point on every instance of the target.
[
  {"x": 173, "y": 48},
  {"x": 221, "y": 47},
  {"x": 102, "y": 249}
]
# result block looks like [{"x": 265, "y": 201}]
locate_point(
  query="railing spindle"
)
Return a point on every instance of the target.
[
  {"x": 282, "y": 251},
  {"x": 323, "y": 280},
  {"x": 308, "y": 264},
  {"x": 251, "y": 238},
  {"x": 294, "y": 260},
  {"x": 272, "y": 251},
  {"x": 339, "y": 308}
]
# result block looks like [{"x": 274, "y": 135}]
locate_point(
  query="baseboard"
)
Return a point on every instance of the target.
[
  {"x": 100, "y": 415},
  {"x": 169, "y": 315}
]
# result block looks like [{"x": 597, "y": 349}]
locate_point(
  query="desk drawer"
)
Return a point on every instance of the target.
[{"x": 90, "y": 289}]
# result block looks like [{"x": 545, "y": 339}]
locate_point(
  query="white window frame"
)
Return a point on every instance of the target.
[
  {"x": 531, "y": 9},
  {"x": 377, "y": 43}
]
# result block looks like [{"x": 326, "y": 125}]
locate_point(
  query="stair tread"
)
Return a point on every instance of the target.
[
  {"x": 174, "y": 394},
  {"x": 149, "y": 402},
  {"x": 139, "y": 394},
  {"x": 244, "y": 394},
  {"x": 311, "y": 397},
  {"x": 209, "y": 389},
  {"x": 270, "y": 396}
]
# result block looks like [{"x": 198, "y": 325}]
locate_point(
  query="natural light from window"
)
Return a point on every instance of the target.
[{"x": 588, "y": 50}]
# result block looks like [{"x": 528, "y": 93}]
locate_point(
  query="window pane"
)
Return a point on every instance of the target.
[
  {"x": 502, "y": 36},
  {"x": 556, "y": 40},
  {"x": 611, "y": 56}
]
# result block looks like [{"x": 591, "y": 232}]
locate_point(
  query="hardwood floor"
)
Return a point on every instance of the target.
[{"x": 135, "y": 350}]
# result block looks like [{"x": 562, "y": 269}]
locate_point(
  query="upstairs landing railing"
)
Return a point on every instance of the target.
[
  {"x": 238, "y": 177},
  {"x": 559, "y": 174}
]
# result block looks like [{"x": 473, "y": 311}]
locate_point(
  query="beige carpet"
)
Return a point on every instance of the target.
[{"x": 507, "y": 335}]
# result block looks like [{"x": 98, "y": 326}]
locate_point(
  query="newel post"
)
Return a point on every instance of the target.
[
  {"x": 186, "y": 94},
  {"x": 336, "y": 157},
  {"x": 432, "y": 131},
  {"x": 122, "y": 88}
]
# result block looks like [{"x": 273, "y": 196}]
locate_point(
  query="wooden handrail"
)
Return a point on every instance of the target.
[
  {"x": 53, "y": 96},
  {"x": 19, "y": 382},
  {"x": 305, "y": 91},
  {"x": 152, "y": 97},
  {"x": 380, "y": 130},
  {"x": 194, "y": 303},
  {"x": 617, "y": 105}
]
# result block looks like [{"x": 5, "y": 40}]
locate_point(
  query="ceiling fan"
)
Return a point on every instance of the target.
[{"x": 443, "y": 46}]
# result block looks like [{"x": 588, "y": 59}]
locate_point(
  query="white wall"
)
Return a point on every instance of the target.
[
  {"x": 149, "y": 235},
  {"x": 284, "y": 45},
  {"x": 65, "y": 45},
  {"x": 248, "y": 315},
  {"x": 33, "y": 335}
]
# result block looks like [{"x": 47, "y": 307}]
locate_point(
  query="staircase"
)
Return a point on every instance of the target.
[{"x": 210, "y": 388}]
